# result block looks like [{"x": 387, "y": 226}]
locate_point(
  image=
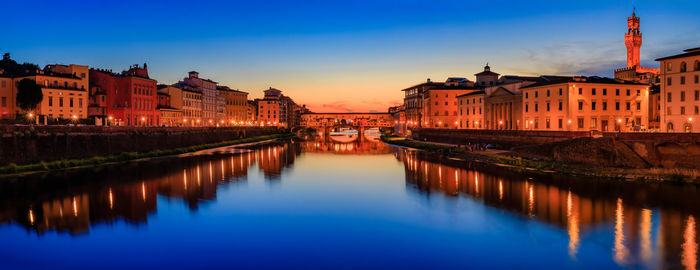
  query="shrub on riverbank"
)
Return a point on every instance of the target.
[{"x": 127, "y": 156}]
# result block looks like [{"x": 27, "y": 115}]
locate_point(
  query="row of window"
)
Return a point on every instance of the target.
[
  {"x": 580, "y": 124},
  {"x": 669, "y": 96},
  {"x": 669, "y": 110},
  {"x": 669, "y": 80},
  {"x": 70, "y": 102},
  {"x": 472, "y": 109},
  {"x": 143, "y": 91},
  {"x": 55, "y": 84},
  {"x": 446, "y": 103},
  {"x": 594, "y": 104},
  {"x": 237, "y": 102},
  {"x": 447, "y": 113},
  {"x": 473, "y": 101},
  {"x": 684, "y": 66},
  {"x": 580, "y": 92}
]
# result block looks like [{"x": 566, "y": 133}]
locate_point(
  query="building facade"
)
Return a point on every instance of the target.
[
  {"x": 213, "y": 107},
  {"x": 269, "y": 108},
  {"x": 441, "y": 108},
  {"x": 586, "y": 104},
  {"x": 680, "y": 92},
  {"x": 236, "y": 105},
  {"x": 413, "y": 103},
  {"x": 65, "y": 95},
  {"x": 471, "y": 110},
  {"x": 131, "y": 96},
  {"x": 169, "y": 116}
]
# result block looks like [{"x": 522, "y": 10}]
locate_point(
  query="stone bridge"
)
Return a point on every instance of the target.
[{"x": 328, "y": 122}]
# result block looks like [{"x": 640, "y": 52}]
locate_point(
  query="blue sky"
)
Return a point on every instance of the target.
[{"x": 343, "y": 55}]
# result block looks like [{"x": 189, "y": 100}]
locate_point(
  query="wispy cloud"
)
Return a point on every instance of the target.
[{"x": 354, "y": 106}]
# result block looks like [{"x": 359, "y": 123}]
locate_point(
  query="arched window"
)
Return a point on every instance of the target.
[
  {"x": 684, "y": 67},
  {"x": 669, "y": 127}
]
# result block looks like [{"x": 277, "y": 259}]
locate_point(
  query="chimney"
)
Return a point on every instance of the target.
[{"x": 429, "y": 80}]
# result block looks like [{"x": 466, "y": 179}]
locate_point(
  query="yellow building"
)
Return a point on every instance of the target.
[
  {"x": 187, "y": 99},
  {"x": 680, "y": 92},
  {"x": 585, "y": 104},
  {"x": 471, "y": 110},
  {"x": 236, "y": 105},
  {"x": 170, "y": 117},
  {"x": 65, "y": 95},
  {"x": 80, "y": 71}
]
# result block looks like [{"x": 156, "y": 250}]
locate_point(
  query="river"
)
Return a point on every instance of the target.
[{"x": 327, "y": 205}]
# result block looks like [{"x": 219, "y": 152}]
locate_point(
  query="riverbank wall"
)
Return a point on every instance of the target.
[
  {"x": 22, "y": 145},
  {"x": 633, "y": 150}
]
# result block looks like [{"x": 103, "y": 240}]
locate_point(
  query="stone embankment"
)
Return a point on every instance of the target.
[
  {"x": 621, "y": 150},
  {"x": 22, "y": 145}
]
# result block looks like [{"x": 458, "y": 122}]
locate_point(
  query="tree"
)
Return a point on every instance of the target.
[{"x": 29, "y": 94}]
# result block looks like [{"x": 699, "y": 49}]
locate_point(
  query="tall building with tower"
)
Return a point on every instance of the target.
[{"x": 634, "y": 70}]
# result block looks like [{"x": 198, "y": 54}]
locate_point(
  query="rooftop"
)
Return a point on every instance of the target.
[
  {"x": 688, "y": 53},
  {"x": 582, "y": 79},
  {"x": 480, "y": 92}
]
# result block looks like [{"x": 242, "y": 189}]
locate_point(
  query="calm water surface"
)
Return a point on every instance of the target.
[{"x": 339, "y": 205}]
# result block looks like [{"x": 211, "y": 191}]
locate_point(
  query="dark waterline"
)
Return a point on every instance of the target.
[{"x": 339, "y": 205}]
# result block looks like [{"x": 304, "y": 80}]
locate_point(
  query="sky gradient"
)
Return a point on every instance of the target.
[{"x": 344, "y": 55}]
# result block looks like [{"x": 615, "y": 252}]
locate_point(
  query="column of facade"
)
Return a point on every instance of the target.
[{"x": 510, "y": 115}]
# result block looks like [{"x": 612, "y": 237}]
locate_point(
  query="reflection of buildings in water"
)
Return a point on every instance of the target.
[
  {"x": 131, "y": 194},
  {"x": 633, "y": 223},
  {"x": 273, "y": 159},
  {"x": 351, "y": 148}
]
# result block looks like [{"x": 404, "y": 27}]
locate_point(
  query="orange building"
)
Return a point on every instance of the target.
[
  {"x": 585, "y": 104},
  {"x": 440, "y": 107},
  {"x": 269, "y": 108},
  {"x": 680, "y": 92},
  {"x": 413, "y": 103}
]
